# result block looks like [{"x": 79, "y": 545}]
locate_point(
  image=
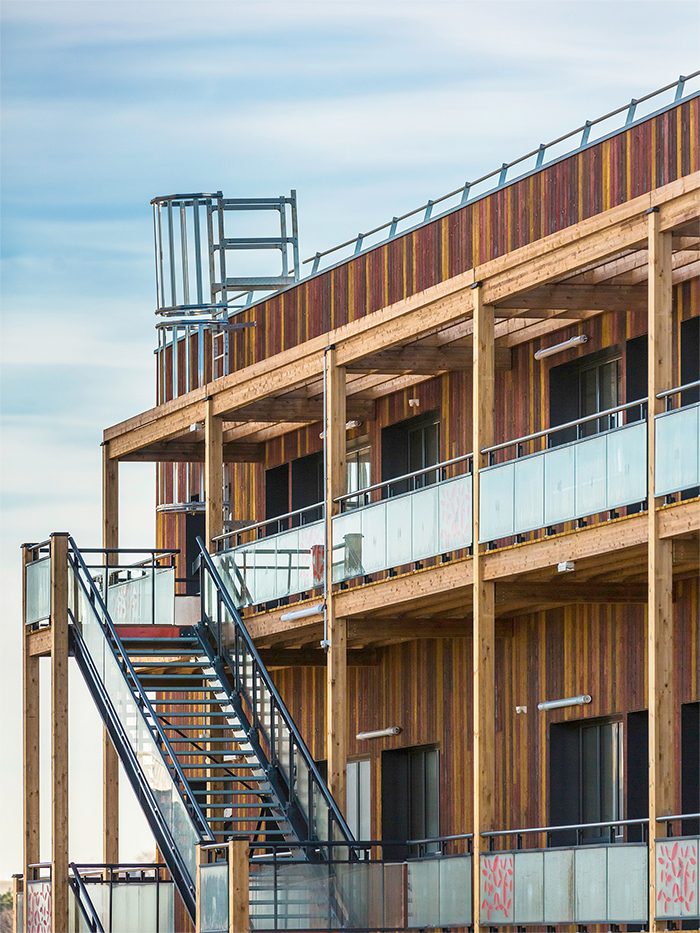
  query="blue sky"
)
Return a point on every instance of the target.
[{"x": 367, "y": 109}]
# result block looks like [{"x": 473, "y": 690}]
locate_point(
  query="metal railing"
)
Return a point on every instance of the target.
[
  {"x": 271, "y": 522},
  {"x": 267, "y": 717},
  {"x": 466, "y": 191},
  {"x": 579, "y": 828}
]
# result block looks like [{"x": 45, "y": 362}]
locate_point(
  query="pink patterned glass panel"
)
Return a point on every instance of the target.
[
  {"x": 677, "y": 878},
  {"x": 496, "y": 901},
  {"x": 38, "y": 907}
]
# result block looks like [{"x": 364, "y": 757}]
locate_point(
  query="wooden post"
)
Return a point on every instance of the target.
[
  {"x": 213, "y": 474},
  {"x": 660, "y": 561},
  {"x": 30, "y": 739},
  {"x": 238, "y": 886},
  {"x": 336, "y": 630},
  {"x": 59, "y": 731},
  {"x": 17, "y": 889},
  {"x": 198, "y": 889},
  {"x": 110, "y": 759},
  {"x": 484, "y": 595}
]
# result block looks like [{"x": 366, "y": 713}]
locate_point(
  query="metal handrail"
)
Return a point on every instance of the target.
[
  {"x": 398, "y": 479},
  {"x": 562, "y": 427},
  {"x": 85, "y": 902},
  {"x": 269, "y": 521},
  {"x": 502, "y": 171},
  {"x": 554, "y": 829},
  {"x": 125, "y": 662},
  {"x": 678, "y": 816},
  {"x": 688, "y": 385},
  {"x": 281, "y": 709}
]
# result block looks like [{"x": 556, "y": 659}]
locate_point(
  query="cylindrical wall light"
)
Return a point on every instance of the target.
[
  {"x": 569, "y": 701},
  {"x": 302, "y": 613},
  {"x": 379, "y": 733},
  {"x": 557, "y": 348}
]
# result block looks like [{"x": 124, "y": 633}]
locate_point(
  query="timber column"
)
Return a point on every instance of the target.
[
  {"x": 213, "y": 474},
  {"x": 484, "y": 594},
  {"x": 336, "y": 630},
  {"x": 110, "y": 759},
  {"x": 59, "y": 731},
  {"x": 660, "y": 560},
  {"x": 30, "y": 739}
]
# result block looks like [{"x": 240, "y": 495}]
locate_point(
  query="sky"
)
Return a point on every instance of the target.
[{"x": 366, "y": 109}]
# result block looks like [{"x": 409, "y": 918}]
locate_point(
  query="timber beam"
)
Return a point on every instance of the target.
[
  {"x": 574, "y": 297},
  {"x": 300, "y": 410},
  {"x": 180, "y": 451},
  {"x": 418, "y": 359},
  {"x": 314, "y": 657}
]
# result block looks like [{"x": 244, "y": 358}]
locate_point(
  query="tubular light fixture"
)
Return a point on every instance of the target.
[
  {"x": 557, "y": 348},
  {"x": 569, "y": 701},
  {"x": 379, "y": 733},
  {"x": 302, "y": 613}
]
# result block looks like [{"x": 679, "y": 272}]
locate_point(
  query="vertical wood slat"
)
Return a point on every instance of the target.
[
  {"x": 110, "y": 759},
  {"x": 30, "y": 740},
  {"x": 238, "y": 886},
  {"x": 213, "y": 474},
  {"x": 336, "y": 661},
  {"x": 660, "y": 556},
  {"x": 59, "y": 731},
  {"x": 484, "y": 736}
]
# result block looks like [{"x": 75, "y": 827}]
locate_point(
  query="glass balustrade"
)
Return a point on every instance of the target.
[
  {"x": 588, "y": 884},
  {"x": 142, "y": 597},
  {"x": 38, "y": 591},
  {"x": 275, "y": 566},
  {"x": 396, "y": 531},
  {"x": 439, "y": 892},
  {"x": 213, "y": 910},
  {"x": 597, "y": 474},
  {"x": 677, "y": 461},
  {"x": 153, "y": 766}
]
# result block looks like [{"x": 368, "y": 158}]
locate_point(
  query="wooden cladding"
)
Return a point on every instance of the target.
[
  {"x": 606, "y": 174},
  {"x": 425, "y": 687}
]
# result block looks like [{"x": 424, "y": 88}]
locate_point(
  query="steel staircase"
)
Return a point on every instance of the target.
[{"x": 206, "y": 741}]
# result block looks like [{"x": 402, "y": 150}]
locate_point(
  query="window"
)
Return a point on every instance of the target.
[
  {"x": 359, "y": 776},
  {"x": 410, "y": 798},
  {"x": 409, "y": 446},
  {"x": 359, "y": 475},
  {"x": 600, "y": 388},
  {"x": 583, "y": 387},
  {"x": 586, "y": 778}
]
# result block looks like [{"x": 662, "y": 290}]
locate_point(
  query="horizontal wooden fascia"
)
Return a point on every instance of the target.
[
  {"x": 193, "y": 452},
  {"x": 426, "y": 360},
  {"x": 314, "y": 657},
  {"x": 576, "y": 297}
]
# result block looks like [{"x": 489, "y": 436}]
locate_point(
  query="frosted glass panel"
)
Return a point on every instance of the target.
[
  {"x": 134, "y": 602},
  {"x": 529, "y": 492},
  {"x": 627, "y": 465},
  {"x": 214, "y": 898},
  {"x": 677, "y": 859},
  {"x": 424, "y": 523},
  {"x": 627, "y": 883},
  {"x": 559, "y": 886},
  {"x": 559, "y": 503},
  {"x": 134, "y": 908},
  {"x": 529, "y": 887},
  {"x": 38, "y": 594},
  {"x": 423, "y": 893},
  {"x": 677, "y": 450},
  {"x": 497, "y": 489},
  {"x": 456, "y": 891},
  {"x": 591, "y": 479},
  {"x": 374, "y": 537},
  {"x": 591, "y": 879},
  {"x": 398, "y": 531}
]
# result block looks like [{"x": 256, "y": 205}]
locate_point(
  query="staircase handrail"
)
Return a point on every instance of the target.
[
  {"x": 87, "y": 908},
  {"x": 123, "y": 660},
  {"x": 281, "y": 709}
]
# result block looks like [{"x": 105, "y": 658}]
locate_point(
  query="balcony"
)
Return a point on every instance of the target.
[{"x": 574, "y": 481}]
